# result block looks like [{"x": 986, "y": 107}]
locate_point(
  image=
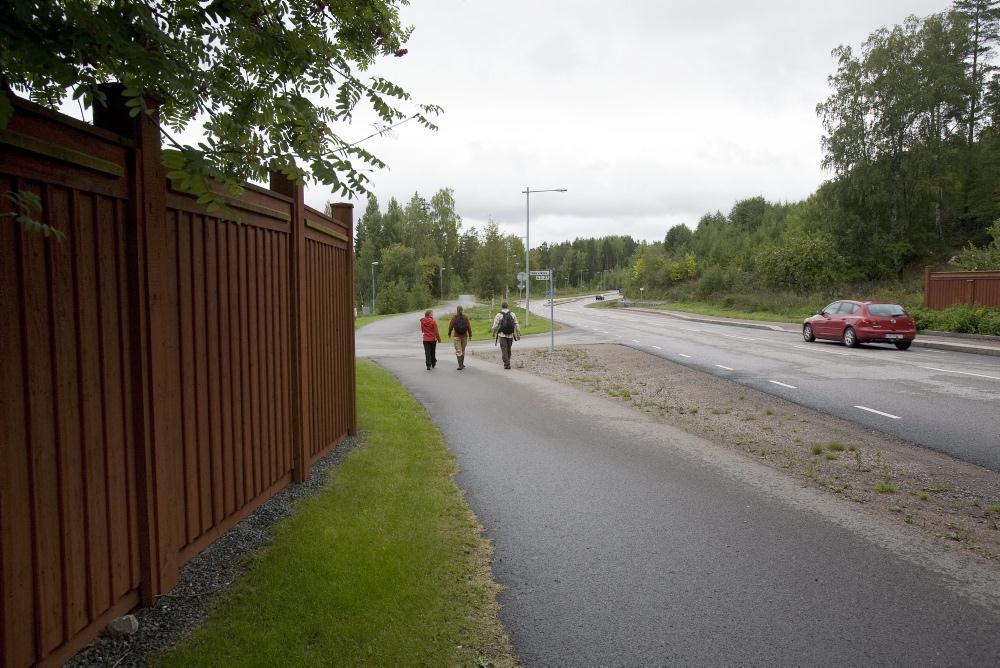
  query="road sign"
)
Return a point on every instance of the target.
[
  {"x": 541, "y": 278},
  {"x": 540, "y": 273},
  {"x": 521, "y": 276}
]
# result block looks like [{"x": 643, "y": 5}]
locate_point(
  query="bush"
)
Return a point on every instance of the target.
[
  {"x": 714, "y": 279},
  {"x": 961, "y": 318}
]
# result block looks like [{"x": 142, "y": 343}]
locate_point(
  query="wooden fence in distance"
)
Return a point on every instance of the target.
[
  {"x": 944, "y": 288},
  {"x": 165, "y": 371}
]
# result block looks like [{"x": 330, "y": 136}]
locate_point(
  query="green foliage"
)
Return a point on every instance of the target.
[
  {"x": 272, "y": 82},
  {"x": 802, "y": 261},
  {"x": 986, "y": 258},
  {"x": 26, "y": 206},
  {"x": 963, "y": 318}
]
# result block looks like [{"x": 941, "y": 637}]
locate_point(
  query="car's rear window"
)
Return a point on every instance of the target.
[{"x": 890, "y": 310}]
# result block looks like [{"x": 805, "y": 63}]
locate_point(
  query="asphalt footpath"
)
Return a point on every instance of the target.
[{"x": 621, "y": 540}]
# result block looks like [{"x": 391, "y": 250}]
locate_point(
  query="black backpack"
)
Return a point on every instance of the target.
[
  {"x": 461, "y": 325},
  {"x": 507, "y": 323}
]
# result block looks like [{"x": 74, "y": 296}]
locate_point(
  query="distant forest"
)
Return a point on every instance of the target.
[{"x": 911, "y": 134}]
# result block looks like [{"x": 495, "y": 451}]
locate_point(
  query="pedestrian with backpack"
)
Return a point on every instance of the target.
[
  {"x": 507, "y": 331},
  {"x": 432, "y": 337},
  {"x": 462, "y": 327}
]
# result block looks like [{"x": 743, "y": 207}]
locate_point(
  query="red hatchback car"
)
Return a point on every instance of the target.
[{"x": 861, "y": 322}]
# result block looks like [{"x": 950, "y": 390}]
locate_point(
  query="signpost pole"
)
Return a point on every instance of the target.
[{"x": 552, "y": 310}]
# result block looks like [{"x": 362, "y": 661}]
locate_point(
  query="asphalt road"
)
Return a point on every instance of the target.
[
  {"x": 943, "y": 400},
  {"x": 621, "y": 540}
]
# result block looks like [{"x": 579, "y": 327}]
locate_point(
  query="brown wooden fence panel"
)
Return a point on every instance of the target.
[
  {"x": 166, "y": 370},
  {"x": 942, "y": 289},
  {"x": 227, "y": 310},
  {"x": 330, "y": 347},
  {"x": 70, "y": 556}
]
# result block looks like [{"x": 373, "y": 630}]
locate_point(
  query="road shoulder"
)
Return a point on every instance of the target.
[{"x": 952, "y": 503}]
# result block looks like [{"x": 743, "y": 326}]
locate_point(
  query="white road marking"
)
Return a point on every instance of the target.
[
  {"x": 727, "y": 368},
  {"x": 658, "y": 347},
  {"x": 790, "y": 387},
  {"x": 635, "y": 341},
  {"x": 604, "y": 332},
  {"x": 964, "y": 373},
  {"x": 872, "y": 410},
  {"x": 683, "y": 355}
]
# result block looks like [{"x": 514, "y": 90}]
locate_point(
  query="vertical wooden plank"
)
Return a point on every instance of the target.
[
  {"x": 16, "y": 550},
  {"x": 246, "y": 470},
  {"x": 286, "y": 323},
  {"x": 225, "y": 371},
  {"x": 254, "y": 359},
  {"x": 265, "y": 349},
  {"x": 109, "y": 275},
  {"x": 272, "y": 326},
  {"x": 265, "y": 361},
  {"x": 92, "y": 350},
  {"x": 189, "y": 410},
  {"x": 203, "y": 444},
  {"x": 213, "y": 365},
  {"x": 129, "y": 401},
  {"x": 42, "y": 437},
  {"x": 64, "y": 334}
]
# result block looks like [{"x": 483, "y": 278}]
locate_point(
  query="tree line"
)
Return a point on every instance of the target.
[
  {"x": 911, "y": 135},
  {"x": 407, "y": 256}
]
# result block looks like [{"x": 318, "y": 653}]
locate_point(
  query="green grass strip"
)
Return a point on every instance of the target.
[
  {"x": 363, "y": 320},
  {"x": 482, "y": 321},
  {"x": 709, "y": 308},
  {"x": 385, "y": 566}
]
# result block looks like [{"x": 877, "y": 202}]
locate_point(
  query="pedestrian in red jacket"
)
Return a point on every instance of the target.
[{"x": 432, "y": 337}]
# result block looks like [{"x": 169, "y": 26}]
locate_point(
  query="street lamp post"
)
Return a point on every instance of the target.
[
  {"x": 442, "y": 282},
  {"x": 373, "y": 287},
  {"x": 527, "y": 245}
]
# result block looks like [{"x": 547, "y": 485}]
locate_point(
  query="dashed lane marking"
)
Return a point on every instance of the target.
[
  {"x": 636, "y": 341},
  {"x": 776, "y": 382},
  {"x": 727, "y": 368},
  {"x": 683, "y": 355},
  {"x": 658, "y": 347},
  {"x": 872, "y": 410}
]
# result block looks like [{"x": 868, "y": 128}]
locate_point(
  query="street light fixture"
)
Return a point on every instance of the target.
[
  {"x": 373, "y": 287},
  {"x": 442, "y": 282},
  {"x": 527, "y": 245}
]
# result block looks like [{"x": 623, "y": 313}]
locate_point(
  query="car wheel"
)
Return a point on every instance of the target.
[
  {"x": 807, "y": 333},
  {"x": 903, "y": 345},
  {"x": 850, "y": 338}
]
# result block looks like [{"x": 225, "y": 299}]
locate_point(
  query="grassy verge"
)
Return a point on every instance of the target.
[
  {"x": 363, "y": 320},
  {"x": 384, "y": 567},
  {"x": 709, "y": 308},
  {"x": 482, "y": 321}
]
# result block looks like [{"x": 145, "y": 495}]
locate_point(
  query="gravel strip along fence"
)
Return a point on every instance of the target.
[{"x": 206, "y": 576}]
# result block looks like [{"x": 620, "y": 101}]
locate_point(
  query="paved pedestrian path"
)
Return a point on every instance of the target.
[{"x": 621, "y": 540}]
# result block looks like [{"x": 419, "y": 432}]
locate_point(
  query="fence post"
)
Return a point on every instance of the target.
[
  {"x": 298, "y": 357},
  {"x": 344, "y": 213},
  {"x": 927, "y": 286},
  {"x": 154, "y": 440}
]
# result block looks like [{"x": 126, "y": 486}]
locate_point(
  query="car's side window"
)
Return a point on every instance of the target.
[
  {"x": 849, "y": 308},
  {"x": 831, "y": 309}
]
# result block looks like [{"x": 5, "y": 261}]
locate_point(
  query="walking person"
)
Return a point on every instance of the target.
[
  {"x": 432, "y": 337},
  {"x": 462, "y": 327},
  {"x": 507, "y": 331}
]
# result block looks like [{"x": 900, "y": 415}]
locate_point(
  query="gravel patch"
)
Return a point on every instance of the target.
[
  {"x": 952, "y": 501},
  {"x": 208, "y": 575}
]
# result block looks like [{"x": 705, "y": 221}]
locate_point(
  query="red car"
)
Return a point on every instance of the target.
[{"x": 861, "y": 322}]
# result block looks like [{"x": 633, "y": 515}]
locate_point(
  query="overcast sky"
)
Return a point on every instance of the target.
[{"x": 649, "y": 113}]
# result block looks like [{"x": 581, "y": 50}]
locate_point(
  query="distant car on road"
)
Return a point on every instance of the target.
[
  {"x": 599, "y": 298},
  {"x": 855, "y": 322}
]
